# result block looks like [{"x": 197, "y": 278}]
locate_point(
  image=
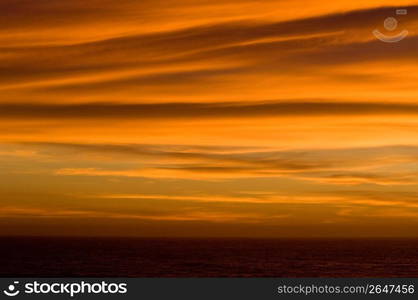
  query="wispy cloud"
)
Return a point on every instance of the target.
[
  {"x": 179, "y": 112},
  {"x": 203, "y": 110}
]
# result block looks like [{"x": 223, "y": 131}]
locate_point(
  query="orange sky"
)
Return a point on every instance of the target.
[{"x": 204, "y": 118}]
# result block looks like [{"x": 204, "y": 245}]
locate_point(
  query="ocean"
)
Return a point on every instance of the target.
[{"x": 183, "y": 257}]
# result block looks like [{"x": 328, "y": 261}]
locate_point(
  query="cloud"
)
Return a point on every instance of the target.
[
  {"x": 42, "y": 213},
  {"x": 201, "y": 110},
  {"x": 386, "y": 165},
  {"x": 204, "y": 53},
  {"x": 351, "y": 199},
  {"x": 230, "y": 112},
  {"x": 347, "y": 177}
]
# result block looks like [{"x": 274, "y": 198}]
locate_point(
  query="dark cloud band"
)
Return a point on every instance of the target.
[{"x": 200, "y": 110}]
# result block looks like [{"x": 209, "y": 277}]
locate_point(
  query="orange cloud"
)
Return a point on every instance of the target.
[{"x": 162, "y": 114}]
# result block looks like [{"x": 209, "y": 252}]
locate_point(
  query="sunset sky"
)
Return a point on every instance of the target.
[{"x": 208, "y": 118}]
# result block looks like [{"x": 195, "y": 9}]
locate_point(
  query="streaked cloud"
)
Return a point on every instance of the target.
[
  {"x": 203, "y": 110},
  {"x": 183, "y": 118}
]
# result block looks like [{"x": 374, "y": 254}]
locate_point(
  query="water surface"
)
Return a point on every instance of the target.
[{"x": 139, "y": 257}]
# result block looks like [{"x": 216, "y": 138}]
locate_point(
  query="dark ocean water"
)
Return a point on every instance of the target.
[{"x": 129, "y": 257}]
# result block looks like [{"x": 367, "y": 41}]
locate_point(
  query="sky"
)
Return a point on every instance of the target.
[{"x": 231, "y": 118}]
